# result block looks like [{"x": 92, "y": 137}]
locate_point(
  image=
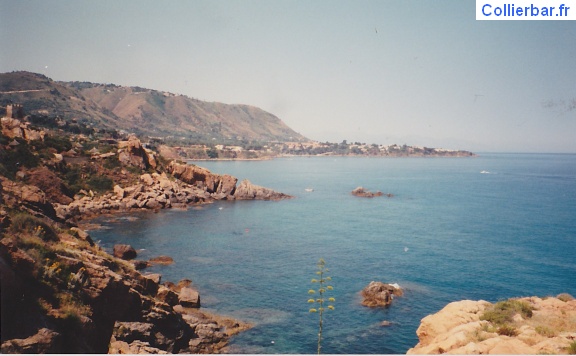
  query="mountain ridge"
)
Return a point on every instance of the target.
[{"x": 143, "y": 111}]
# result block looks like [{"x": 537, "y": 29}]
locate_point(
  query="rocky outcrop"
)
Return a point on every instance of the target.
[
  {"x": 133, "y": 153},
  {"x": 378, "y": 294},
  {"x": 99, "y": 304},
  {"x": 157, "y": 191},
  {"x": 220, "y": 185},
  {"x": 27, "y": 197},
  {"x": 154, "y": 191},
  {"x": 463, "y": 328},
  {"x": 50, "y": 184},
  {"x": 14, "y": 128},
  {"x": 361, "y": 192},
  {"x": 249, "y": 191},
  {"x": 45, "y": 341}
]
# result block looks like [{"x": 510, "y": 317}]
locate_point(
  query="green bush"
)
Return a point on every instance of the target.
[
  {"x": 59, "y": 143},
  {"x": 503, "y": 312},
  {"x": 26, "y": 223},
  {"x": 17, "y": 156},
  {"x": 100, "y": 183},
  {"x": 73, "y": 179},
  {"x": 112, "y": 163}
]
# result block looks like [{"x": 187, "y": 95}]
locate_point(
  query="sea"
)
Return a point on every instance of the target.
[{"x": 490, "y": 227}]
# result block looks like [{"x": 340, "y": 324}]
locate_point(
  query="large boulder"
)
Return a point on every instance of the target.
[
  {"x": 188, "y": 297},
  {"x": 50, "y": 184},
  {"x": 29, "y": 197},
  {"x": 203, "y": 178},
  {"x": 133, "y": 153},
  {"x": 125, "y": 252},
  {"x": 44, "y": 341},
  {"x": 378, "y": 294}
]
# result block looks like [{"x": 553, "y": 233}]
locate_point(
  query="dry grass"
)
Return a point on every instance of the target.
[
  {"x": 545, "y": 331},
  {"x": 572, "y": 348}
]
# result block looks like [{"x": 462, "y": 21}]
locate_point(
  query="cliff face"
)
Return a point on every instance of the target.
[{"x": 522, "y": 326}]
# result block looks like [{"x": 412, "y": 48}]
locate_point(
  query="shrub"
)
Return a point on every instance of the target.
[
  {"x": 545, "y": 331},
  {"x": 572, "y": 348},
  {"x": 112, "y": 163},
  {"x": 100, "y": 183},
  {"x": 16, "y": 157},
  {"x": 565, "y": 297},
  {"x": 507, "y": 330},
  {"x": 59, "y": 143},
  {"x": 72, "y": 310},
  {"x": 503, "y": 312},
  {"x": 26, "y": 223}
]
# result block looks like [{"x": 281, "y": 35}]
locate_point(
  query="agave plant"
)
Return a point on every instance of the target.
[{"x": 323, "y": 302}]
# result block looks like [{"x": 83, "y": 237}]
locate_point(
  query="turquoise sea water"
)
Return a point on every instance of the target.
[{"x": 449, "y": 233}]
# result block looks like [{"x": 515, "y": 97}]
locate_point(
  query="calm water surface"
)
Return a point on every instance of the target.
[{"x": 449, "y": 233}]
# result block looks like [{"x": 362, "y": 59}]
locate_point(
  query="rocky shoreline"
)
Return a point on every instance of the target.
[{"x": 61, "y": 293}]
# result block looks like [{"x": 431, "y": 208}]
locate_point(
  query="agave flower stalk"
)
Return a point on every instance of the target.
[{"x": 322, "y": 301}]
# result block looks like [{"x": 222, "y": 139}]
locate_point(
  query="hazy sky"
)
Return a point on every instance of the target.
[{"x": 415, "y": 72}]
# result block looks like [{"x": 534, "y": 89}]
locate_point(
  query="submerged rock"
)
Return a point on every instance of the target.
[{"x": 161, "y": 260}]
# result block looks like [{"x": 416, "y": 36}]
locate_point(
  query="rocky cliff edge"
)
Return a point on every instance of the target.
[{"x": 529, "y": 325}]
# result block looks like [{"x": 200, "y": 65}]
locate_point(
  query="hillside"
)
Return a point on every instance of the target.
[{"x": 145, "y": 112}]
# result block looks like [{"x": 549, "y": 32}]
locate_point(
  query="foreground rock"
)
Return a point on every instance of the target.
[
  {"x": 461, "y": 328},
  {"x": 378, "y": 294},
  {"x": 101, "y": 305},
  {"x": 61, "y": 293}
]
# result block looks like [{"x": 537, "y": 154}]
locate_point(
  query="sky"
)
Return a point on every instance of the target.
[{"x": 422, "y": 73}]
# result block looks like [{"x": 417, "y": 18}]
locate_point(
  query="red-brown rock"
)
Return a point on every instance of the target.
[{"x": 125, "y": 252}]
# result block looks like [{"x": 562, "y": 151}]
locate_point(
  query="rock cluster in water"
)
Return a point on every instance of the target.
[
  {"x": 378, "y": 294},
  {"x": 361, "y": 192}
]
